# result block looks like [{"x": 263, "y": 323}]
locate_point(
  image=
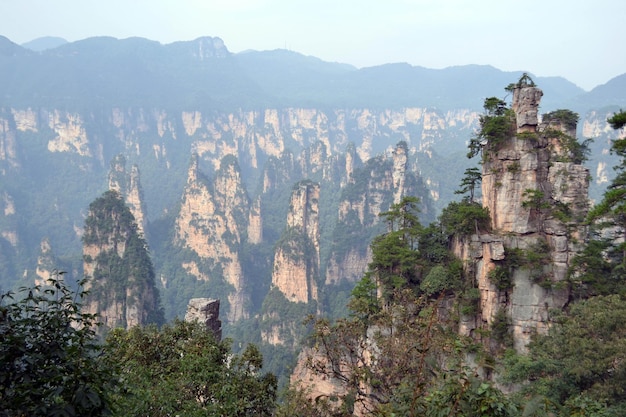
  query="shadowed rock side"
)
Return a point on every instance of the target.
[{"x": 121, "y": 280}]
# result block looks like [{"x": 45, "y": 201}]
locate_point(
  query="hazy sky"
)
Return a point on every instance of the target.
[{"x": 581, "y": 40}]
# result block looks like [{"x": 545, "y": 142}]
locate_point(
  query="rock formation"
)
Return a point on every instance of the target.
[
  {"x": 121, "y": 280},
  {"x": 129, "y": 186},
  {"x": 207, "y": 312},
  {"x": 46, "y": 263},
  {"x": 210, "y": 223},
  {"x": 372, "y": 189},
  {"x": 297, "y": 256},
  {"x": 535, "y": 188}
]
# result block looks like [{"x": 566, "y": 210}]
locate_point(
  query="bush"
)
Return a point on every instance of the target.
[
  {"x": 501, "y": 278},
  {"x": 464, "y": 218},
  {"x": 49, "y": 354}
]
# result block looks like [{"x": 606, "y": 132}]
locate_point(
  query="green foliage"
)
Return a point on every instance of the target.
[
  {"x": 50, "y": 361},
  {"x": 109, "y": 218},
  {"x": 580, "y": 360},
  {"x": 395, "y": 260},
  {"x": 533, "y": 259},
  {"x": 501, "y": 277},
  {"x": 563, "y": 212},
  {"x": 610, "y": 214},
  {"x": 592, "y": 272},
  {"x": 181, "y": 369},
  {"x": 514, "y": 167},
  {"x": 276, "y": 302},
  {"x": 472, "y": 177},
  {"x": 298, "y": 402},
  {"x": 433, "y": 245},
  {"x": 497, "y": 124},
  {"x": 436, "y": 281},
  {"x": 524, "y": 81},
  {"x": 501, "y": 328},
  {"x": 564, "y": 116},
  {"x": 418, "y": 369},
  {"x": 464, "y": 218},
  {"x": 127, "y": 279},
  {"x": 572, "y": 150},
  {"x": 463, "y": 393},
  {"x": 618, "y": 120},
  {"x": 410, "y": 350},
  {"x": 404, "y": 217},
  {"x": 296, "y": 245},
  {"x": 534, "y": 199},
  {"x": 364, "y": 300},
  {"x": 537, "y": 255},
  {"x": 470, "y": 302}
]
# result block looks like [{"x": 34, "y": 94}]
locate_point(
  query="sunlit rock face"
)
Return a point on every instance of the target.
[
  {"x": 528, "y": 184},
  {"x": 210, "y": 224},
  {"x": 296, "y": 261}
]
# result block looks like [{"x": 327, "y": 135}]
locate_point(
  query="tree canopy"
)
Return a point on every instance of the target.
[
  {"x": 53, "y": 364},
  {"x": 49, "y": 354},
  {"x": 181, "y": 369}
]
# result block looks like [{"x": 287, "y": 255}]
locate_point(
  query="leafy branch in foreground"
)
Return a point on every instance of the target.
[{"x": 49, "y": 354}]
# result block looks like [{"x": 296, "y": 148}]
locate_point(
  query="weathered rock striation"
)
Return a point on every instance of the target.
[
  {"x": 129, "y": 186},
  {"x": 535, "y": 188},
  {"x": 371, "y": 190},
  {"x": 46, "y": 263},
  {"x": 212, "y": 222},
  {"x": 297, "y": 257}
]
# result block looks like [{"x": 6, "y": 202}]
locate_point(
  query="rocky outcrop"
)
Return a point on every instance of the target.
[
  {"x": 297, "y": 257},
  {"x": 536, "y": 191},
  {"x": 71, "y": 135},
  {"x": 9, "y": 219},
  {"x": 207, "y": 312},
  {"x": 8, "y": 146},
  {"x": 117, "y": 265},
  {"x": 46, "y": 263},
  {"x": 526, "y": 107},
  {"x": 372, "y": 189},
  {"x": 211, "y": 222},
  {"x": 255, "y": 223},
  {"x": 129, "y": 186}
]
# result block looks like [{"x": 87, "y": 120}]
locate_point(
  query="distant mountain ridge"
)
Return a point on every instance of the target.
[
  {"x": 140, "y": 71},
  {"x": 46, "y": 42}
]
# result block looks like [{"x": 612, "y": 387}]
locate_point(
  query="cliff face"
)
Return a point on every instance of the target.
[
  {"x": 117, "y": 265},
  {"x": 371, "y": 190},
  {"x": 297, "y": 257},
  {"x": 279, "y": 147},
  {"x": 128, "y": 185},
  {"x": 212, "y": 224},
  {"x": 46, "y": 263},
  {"x": 536, "y": 191}
]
